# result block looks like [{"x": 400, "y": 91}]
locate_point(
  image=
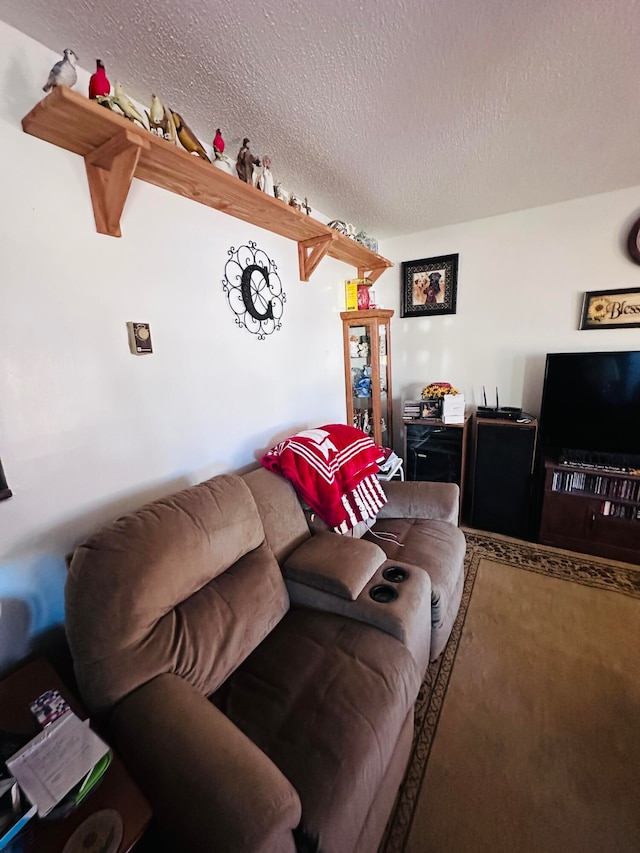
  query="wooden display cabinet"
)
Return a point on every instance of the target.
[
  {"x": 367, "y": 372},
  {"x": 594, "y": 511}
]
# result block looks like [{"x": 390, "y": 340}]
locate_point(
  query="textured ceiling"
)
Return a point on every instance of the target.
[{"x": 395, "y": 116}]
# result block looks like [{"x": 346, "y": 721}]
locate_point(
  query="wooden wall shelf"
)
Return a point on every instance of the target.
[{"x": 116, "y": 151}]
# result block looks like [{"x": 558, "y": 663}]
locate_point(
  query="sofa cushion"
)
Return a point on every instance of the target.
[
  {"x": 326, "y": 698},
  {"x": 283, "y": 518},
  {"x": 331, "y": 563},
  {"x": 183, "y": 585},
  {"x": 421, "y": 499}
]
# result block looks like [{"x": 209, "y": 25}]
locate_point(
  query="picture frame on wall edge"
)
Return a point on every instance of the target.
[
  {"x": 429, "y": 286},
  {"x": 611, "y": 309}
]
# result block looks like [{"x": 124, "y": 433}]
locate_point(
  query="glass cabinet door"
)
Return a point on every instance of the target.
[{"x": 368, "y": 372}]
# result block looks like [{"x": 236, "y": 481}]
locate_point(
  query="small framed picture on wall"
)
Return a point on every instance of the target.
[{"x": 429, "y": 286}]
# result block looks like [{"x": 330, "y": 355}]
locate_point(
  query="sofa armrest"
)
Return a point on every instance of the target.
[
  {"x": 421, "y": 499},
  {"x": 335, "y": 564},
  {"x": 211, "y": 786}
]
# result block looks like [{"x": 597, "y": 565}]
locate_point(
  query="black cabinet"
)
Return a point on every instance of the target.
[
  {"x": 435, "y": 451},
  {"x": 504, "y": 456}
]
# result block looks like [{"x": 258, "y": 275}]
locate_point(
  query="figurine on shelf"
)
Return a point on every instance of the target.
[
  {"x": 267, "y": 176},
  {"x": 99, "y": 84},
  {"x": 339, "y": 226},
  {"x": 369, "y": 242},
  {"x": 218, "y": 143},
  {"x": 124, "y": 103},
  {"x": 170, "y": 132},
  {"x": 187, "y": 137},
  {"x": 353, "y": 346},
  {"x": 157, "y": 117},
  {"x": 362, "y": 388},
  {"x": 63, "y": 72},
  {"x": 245, "y": 162},
  {"x": 221, "y": 160},
  {"x": 280, "y": 192},
  {"x": 306, "y": 207},
  {"x": 256, "y": 177}
]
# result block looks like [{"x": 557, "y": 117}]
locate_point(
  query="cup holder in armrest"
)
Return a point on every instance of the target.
[
  {"x": 383, "y": 593},
  {"x": 395, "y": 574}
]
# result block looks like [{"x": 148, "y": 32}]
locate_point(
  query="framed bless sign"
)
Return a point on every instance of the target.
[{"x": 611, "y": 309}]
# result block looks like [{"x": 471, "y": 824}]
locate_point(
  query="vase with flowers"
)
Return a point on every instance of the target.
[{"x": 432, "y": 396}]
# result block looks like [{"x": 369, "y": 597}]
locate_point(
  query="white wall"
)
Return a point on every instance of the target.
[
  {"x": 521, "y": 281},
  {"x": 88, "y": 430}
]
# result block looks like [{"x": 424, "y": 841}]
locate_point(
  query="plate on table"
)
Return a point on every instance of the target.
[{"x": 101, "y": 832}]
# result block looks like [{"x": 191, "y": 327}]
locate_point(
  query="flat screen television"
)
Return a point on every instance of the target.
[{"x": 591, "y": 402}]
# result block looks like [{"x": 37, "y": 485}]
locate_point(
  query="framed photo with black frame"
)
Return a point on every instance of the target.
[{"x": 429, "y": 286}]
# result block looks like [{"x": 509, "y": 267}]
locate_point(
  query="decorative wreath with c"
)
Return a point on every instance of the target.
[{"x": 254, "y": 290}]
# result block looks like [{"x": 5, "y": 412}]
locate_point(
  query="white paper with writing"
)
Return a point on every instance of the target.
[{"x": 58, "y": 758}]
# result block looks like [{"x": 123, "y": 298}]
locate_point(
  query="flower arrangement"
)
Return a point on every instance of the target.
[{"x": 438, "y": 390}]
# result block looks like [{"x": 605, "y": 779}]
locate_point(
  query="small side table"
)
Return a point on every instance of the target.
[{"x": 116, "y": 790}]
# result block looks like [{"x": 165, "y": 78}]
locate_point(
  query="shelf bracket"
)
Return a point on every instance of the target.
[
  {"x": 374, "y": 273},
  {"x": 110, "y": 170},
  {"x": 311, "y": 252}
]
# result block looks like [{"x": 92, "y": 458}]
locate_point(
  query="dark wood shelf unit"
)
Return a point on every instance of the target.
[
  {"x": 115, "y": 151},
  {"x": 591, "y": 510}
]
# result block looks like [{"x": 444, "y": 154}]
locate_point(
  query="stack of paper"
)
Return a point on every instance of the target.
[{"x": 56, "y": 760}]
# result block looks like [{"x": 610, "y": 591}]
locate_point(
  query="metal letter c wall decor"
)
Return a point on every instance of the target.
[{"x": 254, "y": 290}]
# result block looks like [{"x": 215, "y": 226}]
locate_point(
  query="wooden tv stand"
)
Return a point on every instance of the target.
[{"x": 591, "y": 510}]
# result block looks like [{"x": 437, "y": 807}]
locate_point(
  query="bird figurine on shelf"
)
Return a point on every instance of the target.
[
  {"x": 160, "y": 120},
  {"x": 156, "y": 116},
  {"x": 170, "y": 127},
  {"x": 187, "y": 137},
  {"x": 99, "y": 85},
  {"x": 220, "y": 159},
  {"x": 218, "y": 143},
  {"x": 124, "y": 102},
  {"x": 63, "y": 72}
]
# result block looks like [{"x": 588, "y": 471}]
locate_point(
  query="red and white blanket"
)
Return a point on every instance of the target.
[{"x": 333, "y": 468}]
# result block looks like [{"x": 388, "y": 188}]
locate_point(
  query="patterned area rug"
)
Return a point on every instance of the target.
[{"x": 579, "y": 569}]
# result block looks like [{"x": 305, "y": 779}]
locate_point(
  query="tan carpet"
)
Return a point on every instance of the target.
[{"x": 528, "y": 727}]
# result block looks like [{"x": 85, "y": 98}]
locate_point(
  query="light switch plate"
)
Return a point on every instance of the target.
[{"x": 139, "y": 338}]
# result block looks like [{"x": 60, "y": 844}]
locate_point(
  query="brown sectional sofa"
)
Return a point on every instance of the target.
[{"x": 259, "y": 695}]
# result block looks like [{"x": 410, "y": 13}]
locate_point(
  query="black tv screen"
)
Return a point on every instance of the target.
[{"x": 591, "y": 401}]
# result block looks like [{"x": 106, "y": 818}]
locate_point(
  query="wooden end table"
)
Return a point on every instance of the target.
[{"x": 116, "y": 790}]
